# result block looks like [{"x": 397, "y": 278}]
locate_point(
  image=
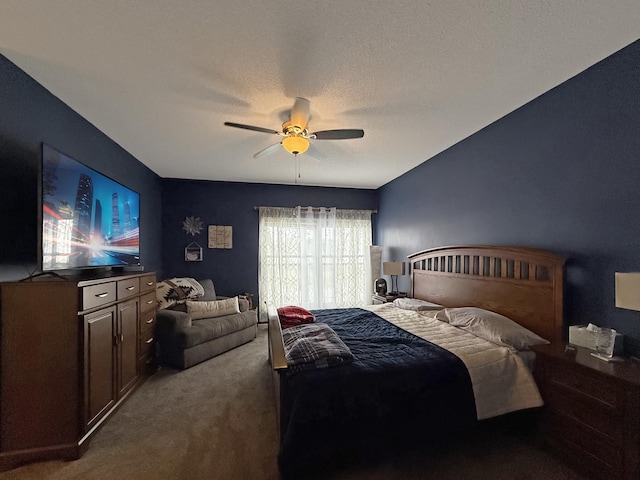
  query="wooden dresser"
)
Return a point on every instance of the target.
[
  {"x": 72, "y": 350},
  {"x": 592, "y": 413}
]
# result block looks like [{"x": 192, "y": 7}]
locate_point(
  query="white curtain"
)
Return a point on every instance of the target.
[{"x": 314, "y": 257}]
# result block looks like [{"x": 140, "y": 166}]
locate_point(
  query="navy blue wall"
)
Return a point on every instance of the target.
[
  {"x": 561, "y": 173},
  {"x": 29, "y": 116},
  {"x": 224, "y": 203}
]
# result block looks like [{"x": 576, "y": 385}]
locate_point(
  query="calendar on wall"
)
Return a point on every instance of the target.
[{"x": 220, "y": 236}]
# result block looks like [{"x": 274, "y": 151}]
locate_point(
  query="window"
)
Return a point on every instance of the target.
[{"x": 314, "y": 257}]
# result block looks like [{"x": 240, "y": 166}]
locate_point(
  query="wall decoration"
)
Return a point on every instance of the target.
[
  {"x": 193, "y": 253},
  {"x": 192, "y": 225},
  {"x": 220, "y": 236},
  {"x": 249, "y": 298}
]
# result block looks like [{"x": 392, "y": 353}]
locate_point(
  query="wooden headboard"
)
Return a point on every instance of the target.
[{"x": 524, "y": 284}]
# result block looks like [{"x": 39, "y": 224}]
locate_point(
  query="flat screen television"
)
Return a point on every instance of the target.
[{"x": 87, "y": 219}]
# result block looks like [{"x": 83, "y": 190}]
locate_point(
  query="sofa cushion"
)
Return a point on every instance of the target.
[
  {"x": 209, "y": 294},
  {"x": 243, "y": 304},
  {"x": 207, "y": 329},
  {"x": 171, "y": 320},
  {"x": 216, "y": 308}
]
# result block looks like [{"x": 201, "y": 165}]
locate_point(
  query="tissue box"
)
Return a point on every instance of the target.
[{"x": 579, "y": 335}]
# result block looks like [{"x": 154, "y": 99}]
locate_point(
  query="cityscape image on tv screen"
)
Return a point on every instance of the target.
[{"x": 87, "y": 218}]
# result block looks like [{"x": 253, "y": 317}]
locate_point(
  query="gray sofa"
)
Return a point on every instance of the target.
[{"x": 184, "y": 342}]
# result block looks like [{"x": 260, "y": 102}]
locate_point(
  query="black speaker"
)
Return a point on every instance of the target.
[
  {"x": 380, "y": 286},
  {"x": 127, "y": 268}
]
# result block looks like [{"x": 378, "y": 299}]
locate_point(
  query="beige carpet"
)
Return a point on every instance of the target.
[{"x": 216, "y": 420}]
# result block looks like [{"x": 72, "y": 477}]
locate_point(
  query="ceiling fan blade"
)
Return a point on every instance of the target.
[
  {"x": 267, "y": 151},
  {"x": 314, "y": 154},
  {"x": 338, "y": 134},
  {"x": 251, "y": 127},
  {"x": 300, "y": 113}
]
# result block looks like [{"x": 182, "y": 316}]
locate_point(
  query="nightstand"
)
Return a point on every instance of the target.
[
  {"x": 379, "y": 299},
  {"x": 592, "y": 410}
]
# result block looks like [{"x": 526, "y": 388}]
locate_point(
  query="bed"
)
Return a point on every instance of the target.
[{"x": 411, "y": 376}]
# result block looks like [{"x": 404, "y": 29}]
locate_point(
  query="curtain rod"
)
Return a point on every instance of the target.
[{"x": 317, "y": 209}]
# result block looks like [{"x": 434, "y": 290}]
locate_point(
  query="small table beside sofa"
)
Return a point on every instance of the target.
[{"x": 196, "y": 330}]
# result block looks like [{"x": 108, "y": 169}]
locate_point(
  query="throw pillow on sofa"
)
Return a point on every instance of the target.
[
  {"x": 215, "y": 308},
  {"x": 177, "y": 290}
]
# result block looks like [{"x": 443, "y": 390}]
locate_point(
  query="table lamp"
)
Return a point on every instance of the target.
[{"x": 394, "y": 269}]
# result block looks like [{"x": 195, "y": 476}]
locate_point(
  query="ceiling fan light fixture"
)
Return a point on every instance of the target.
[
  {"x": 294, "y": 132},
  {"x": 295, "y": 144}
]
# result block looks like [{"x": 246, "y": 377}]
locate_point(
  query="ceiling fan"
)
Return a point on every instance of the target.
[{"x": 295, "y": 132}]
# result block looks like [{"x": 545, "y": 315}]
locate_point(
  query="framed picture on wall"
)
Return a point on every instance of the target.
[
  {"x": 220, "y": 236},
  {"x": 193, "y": 253}
]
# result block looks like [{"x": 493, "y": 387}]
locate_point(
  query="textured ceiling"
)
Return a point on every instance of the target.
[{"x": 161, "y": 77}]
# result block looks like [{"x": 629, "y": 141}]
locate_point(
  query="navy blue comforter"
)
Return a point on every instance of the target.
[{"x": 398, "y": 388}]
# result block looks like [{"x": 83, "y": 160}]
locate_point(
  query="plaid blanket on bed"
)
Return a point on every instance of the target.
[{"x": 313, "y": 346}]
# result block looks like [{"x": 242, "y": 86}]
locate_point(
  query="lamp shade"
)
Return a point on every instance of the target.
[
  {"x": 628, "y": 290},
  {"x": 393, "y": 268}
]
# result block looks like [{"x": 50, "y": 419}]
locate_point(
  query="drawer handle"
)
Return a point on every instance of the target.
[
  {"x": 149, "y": 302},
  {"x": 149, "y": 284},
  {"x": 149, "y": 341},
  {"x": 131, "y": 288},
  {"x": 102, "y": 295},
  {"x": 150, "y": 321}
]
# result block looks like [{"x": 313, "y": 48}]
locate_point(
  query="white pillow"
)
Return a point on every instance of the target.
[
  {"x": 442, "y": 316},
  {"x": 215, "y": 308},
  {"x": 493, "y": 327},
  {"x": 416, "y": 304}
]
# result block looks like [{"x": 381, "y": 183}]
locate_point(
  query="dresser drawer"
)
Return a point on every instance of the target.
[
  {"x": 147, "y": 364},
  {"x": 586, "y": 446},
  {"x": 601, "y": 417},
  {"x": 148, "y": 302},
  {"x": 602, "y": 389},
  {"x": 147, "y": 321},
  {"x": 148, "y": 283},
  {"x": 147, "y": 341},
  {"x": 128, "y": 288},
  {"x": 96, "y": 295}
]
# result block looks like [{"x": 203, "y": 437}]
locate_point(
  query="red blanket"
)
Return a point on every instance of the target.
[{"x": 292, "y": 315}]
